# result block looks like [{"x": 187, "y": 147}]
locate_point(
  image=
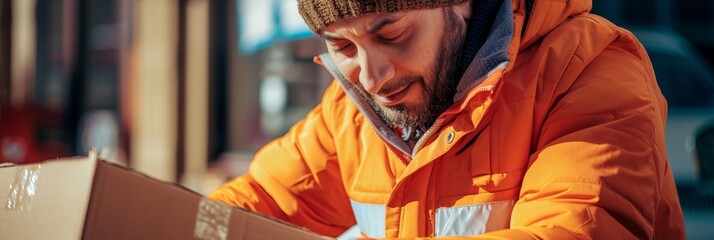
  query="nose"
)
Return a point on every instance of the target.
[{"x": 375, "y": 69}]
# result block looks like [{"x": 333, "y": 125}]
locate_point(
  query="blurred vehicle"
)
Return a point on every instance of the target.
[{"x": 687, "y": 82}]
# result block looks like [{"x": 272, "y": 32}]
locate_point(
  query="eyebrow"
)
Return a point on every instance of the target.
[
  {"x": 373, "y": 29},
  {"x": 383, "y": 22},
  {"x": 330, "y": 37}
]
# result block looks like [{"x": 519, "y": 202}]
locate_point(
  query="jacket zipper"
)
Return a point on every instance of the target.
[{"x": 439, "y": 122}]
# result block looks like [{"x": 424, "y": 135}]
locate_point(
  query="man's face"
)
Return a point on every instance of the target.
[{"x": 405, "y": 63}]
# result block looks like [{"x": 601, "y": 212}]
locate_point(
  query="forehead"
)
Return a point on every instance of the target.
[{"x": 369, "y": 23}]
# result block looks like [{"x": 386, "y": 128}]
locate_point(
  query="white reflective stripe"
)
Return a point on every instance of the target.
[
  {"x": 370, "y": 218},
  {"x": 473, "y": 219},
  {"x": 351, "y": 234}
]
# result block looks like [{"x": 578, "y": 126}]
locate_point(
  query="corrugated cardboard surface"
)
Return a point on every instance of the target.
[
  {"x": 128, "y": 205},
  {"x": 247, "y": 225},
  {"x": 123, "y": 204},
  {"x": 59, "y": 204}
]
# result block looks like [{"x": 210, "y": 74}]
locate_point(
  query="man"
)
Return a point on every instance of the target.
[{"x": 512, "y": 119}]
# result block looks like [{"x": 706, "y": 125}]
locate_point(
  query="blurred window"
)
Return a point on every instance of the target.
[
  {"x": 705, "y": 152},
  {"x": 682, "y": 82},
  {"x": 694, "y": 10},
  {"x": 637, "y": 13}
]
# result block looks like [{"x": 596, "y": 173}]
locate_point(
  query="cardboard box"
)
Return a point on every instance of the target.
[{"x": 90, "y": 199}]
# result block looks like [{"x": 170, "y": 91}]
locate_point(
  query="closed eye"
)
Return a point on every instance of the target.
[
  {"x": 393, "y": 36},
  {"x": 341, "y": 46}
]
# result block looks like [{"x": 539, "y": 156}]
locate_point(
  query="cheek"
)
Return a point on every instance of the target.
[
  {"x": 417, "y": 55},
  {"x": 348, "y": 67}
]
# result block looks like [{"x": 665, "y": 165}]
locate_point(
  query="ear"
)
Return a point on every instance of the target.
[{"x": 463, "y": 11}]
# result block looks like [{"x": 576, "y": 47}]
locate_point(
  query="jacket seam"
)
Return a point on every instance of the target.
[
  {"x": 604, "y": 185},
  {"x": 657, "y": 188},
  {"x": 401, "y": 212},
  {"x": 609, "y": 113},
  {"x": 578, "y": 230},
  {"x": 614, "y": 114},
  {"x": 370, "y": 204},
  {"x": 482, "y": 193},
  {"x": 432, "y": 196},
  {"x": 366, "y": 192},
  {"x": 472, "y": 140},
  {"x": 511, "y": 101},
  {"x": 481, "y": 204},
  {"x": 490, "y": 174},
  {"x": 580, "y": 7},
  {"x": 576, "y": 58}
]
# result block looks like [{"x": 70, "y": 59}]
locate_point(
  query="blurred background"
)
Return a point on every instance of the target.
[
  {"x": 168, "y": 87},
  {"x": 187, "y": 90}
]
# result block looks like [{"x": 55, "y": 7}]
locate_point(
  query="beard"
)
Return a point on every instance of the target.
[{"x": 437, "y": 96}]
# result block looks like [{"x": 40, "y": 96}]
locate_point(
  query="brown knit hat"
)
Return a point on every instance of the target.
[{"x": 318, "y": 14}]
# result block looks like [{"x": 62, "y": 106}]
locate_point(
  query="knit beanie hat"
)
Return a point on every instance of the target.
[{"x": 318, "y": 14}]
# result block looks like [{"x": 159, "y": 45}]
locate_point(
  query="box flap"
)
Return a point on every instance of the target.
[
  {"x": 51, "y": 196},
  {"x": 129, "y": 205},
  {"x": 249, "y": 225},
  {"x": 90, "y": 199}
]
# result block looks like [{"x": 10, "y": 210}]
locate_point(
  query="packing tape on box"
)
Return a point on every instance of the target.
[
  {"x": 212, "y": 220},
  {"x": 24, "y": 188}
]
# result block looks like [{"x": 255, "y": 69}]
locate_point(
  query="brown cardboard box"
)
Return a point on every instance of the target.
[{"x": 90, "y": 199}]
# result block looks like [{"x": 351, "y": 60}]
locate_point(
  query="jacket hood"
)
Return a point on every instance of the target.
[
  {"x": 516, "y": 27},
  {"x": 544, "y": 16}
]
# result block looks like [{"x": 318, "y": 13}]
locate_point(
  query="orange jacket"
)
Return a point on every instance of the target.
[{"x": 557, "y": 133}]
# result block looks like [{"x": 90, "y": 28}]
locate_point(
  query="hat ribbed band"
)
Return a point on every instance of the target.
[{"x": 318, "y": 14}]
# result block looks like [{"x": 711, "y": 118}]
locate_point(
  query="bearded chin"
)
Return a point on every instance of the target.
[
  {"x": 413, "y": 115},
  {"x": 435, "y": 99}
]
